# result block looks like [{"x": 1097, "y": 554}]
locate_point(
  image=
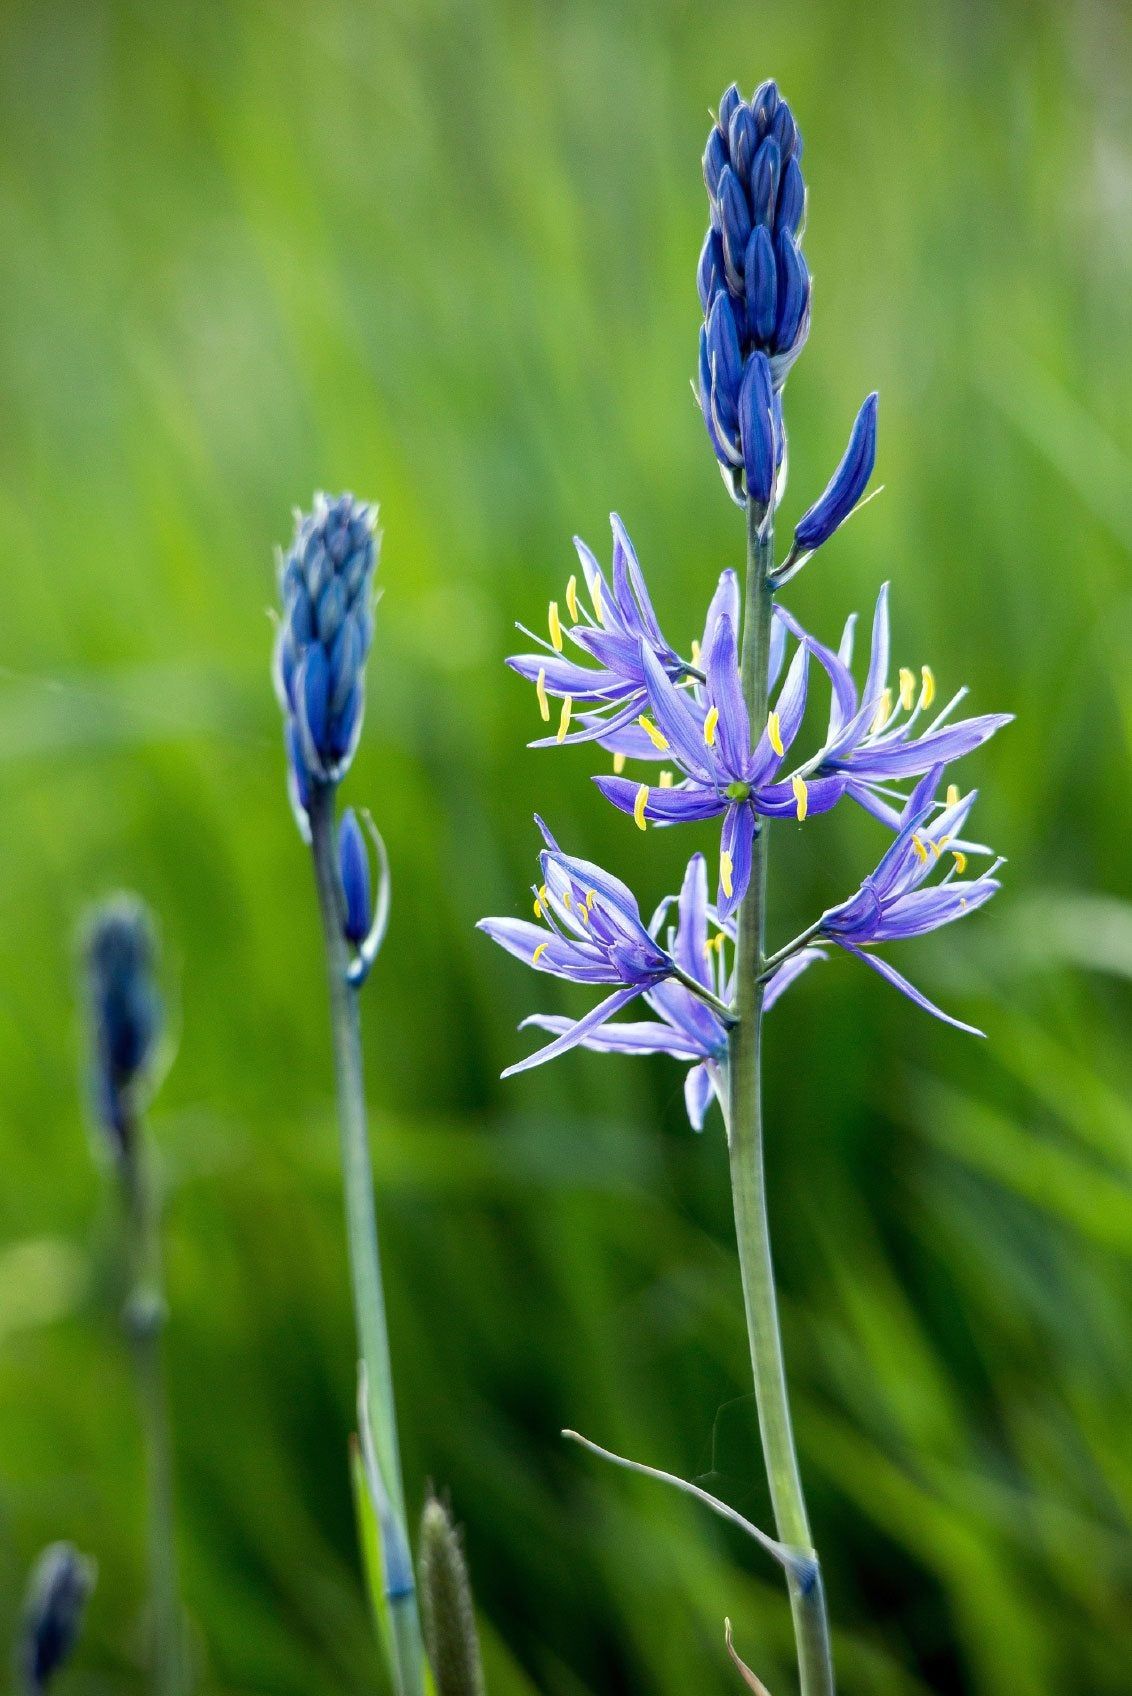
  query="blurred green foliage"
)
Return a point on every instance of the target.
[{"x": 444, "y": 255}]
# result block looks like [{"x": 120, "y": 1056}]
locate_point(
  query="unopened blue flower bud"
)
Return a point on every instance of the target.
[
  {"x": 764, "y": 182},
  {"x": 742, "y": 140},
  {"x": 735, "y": 226},
  {"x": 727, "y": 107},
  {"x": 764, "y": 104},
  {"x": 716, "y": 157},
  {"x": 60, "y": 1584},
  {"x": 761, "y": 270},
  {"x": 353, "y": 867},
  {"x": 124, "y": 1012},
  {"x": 791, "y": 199},
  {"x": 757, "y": 429},
  {"x": 709, "y": 278},
  {"x": 326, "y": 586},
  {"x": 847, "y": 484},
  {"x": 793, "y": 289}
]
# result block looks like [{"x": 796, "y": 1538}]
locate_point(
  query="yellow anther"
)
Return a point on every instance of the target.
[
  {"x": 584, "y": 914},
  {"x": 920, "y": 850},
  {"x": 695, "y": 652},
  {"x": 567, "y": 899},
  {"x": 555, "y": 623},
  {"x": 564, "y": 720},
  {"x": 538, "y": 909},
  {"x": 907, "y": 688},
  {"x": 595, "y": 597},
  {"x": 938, "y": 847},
  {"x": 953, "y": 794},
  {"x": 710, "y": 723},
  {"x": 539, "y": 952},
  {"x": 927, "y": 685},
  {"x": 960, "y": 859},
  {"x": 544, "y": 895},
  {"x": 962, "y": 900},
  {"x": 774, "y": 732},
  {"x": 657, "y": 737},
  {"x": 618, "y": 764},
  {"x": 726, "y": 867},
  {"x": 665, "y": 781},
  {"x": 540, "y": 691},
  {"x": 883, "y": 712},
  {"x": 801, "y": 796},
  {"x": 640, "y": 804},
  {"x": 591, "y": 897},
  {"x": 572, "y": 598}
]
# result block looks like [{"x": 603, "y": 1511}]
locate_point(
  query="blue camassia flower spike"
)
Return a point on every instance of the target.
[
  {"x": 753, "y": 284},
  {"x": 592, "y": 933},
  {"x": 326, "y": 587},
  {"x": 892, "y": 903},
  {"x": 687, "y": 1028},
  {"x": 708, "y": 736},
  {"x": 125, "y": 1013},
  {"x": 883, "y": 735},
  {"x": 57, "y": 1594}
]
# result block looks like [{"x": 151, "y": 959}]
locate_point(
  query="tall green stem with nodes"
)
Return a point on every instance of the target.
[
  {"x": 748, "y": 1186},
  {"x": 378, "y": 1409}
]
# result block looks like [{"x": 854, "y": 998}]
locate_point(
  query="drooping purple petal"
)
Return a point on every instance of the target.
[
  {"x": 735, "y": 856},
  {"x": 690, "y": 950},
  {"x": 698, "y": 1091},
  {"x": 892, "y": 976},
  {"x": 778, "y": 800},
  {"x": 647, "y": 1036},
  {"x": 577, "y": 1032}
]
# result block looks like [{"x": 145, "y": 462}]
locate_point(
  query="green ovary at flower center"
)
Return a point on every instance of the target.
[{"x": 738, "y": 791}]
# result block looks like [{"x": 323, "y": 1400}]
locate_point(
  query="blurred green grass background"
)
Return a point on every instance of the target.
[{"x": 444, "y": 255}]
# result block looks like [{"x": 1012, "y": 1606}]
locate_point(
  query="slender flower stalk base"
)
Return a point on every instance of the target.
[
  {"x": 144, "y": 1320},
  {"x": 405, "y": 1646},
  {"x": 745, "y": 1143}
]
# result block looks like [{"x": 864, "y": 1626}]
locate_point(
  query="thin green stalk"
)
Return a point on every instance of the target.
[
  {"x": 406, "y": 1651},
  {"x": 748, "y": 1186},
  {"x": 144, "y": 1320}
]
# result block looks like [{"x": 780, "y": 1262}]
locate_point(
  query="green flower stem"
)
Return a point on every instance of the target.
[
  {"x": 406, "y": 1652},
  {"x": 144, "y": 1320},
  {"x": 748, "y": 1188}
]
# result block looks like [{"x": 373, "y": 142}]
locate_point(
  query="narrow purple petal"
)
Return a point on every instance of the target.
[
  {"x": 676, "y": 719},
  {"x": 648, "y": 1036},
  {"x": 698, "y": 1092},
  {"x": 625, "y": 560},
  {"x": 737, "y": 839},
  {"x": 690, "y": 950},
  {"x": 879, "y": 652},
  {"x": 892, "y": 976},
  {"x": 664, "y": 806},
  {"x": 778, "y": 801},
  {"x": 577, "y": 1032},
  {"x": 726, "y": 693}
]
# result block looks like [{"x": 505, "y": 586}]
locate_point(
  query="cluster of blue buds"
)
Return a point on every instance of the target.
[
  {"x": 326, "y": 587},
  {"x": 124, "y": 1012},
  {"x": 753, "y": 283},
  {"x": 60, "y": 1583}
]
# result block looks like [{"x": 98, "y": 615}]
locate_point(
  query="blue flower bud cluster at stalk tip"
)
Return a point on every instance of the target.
[
  {"x": 326, "y": 587},
  {"x": 124, "y": 1012},
  {"x": 57, "y": 1593},
  {"x": 753, "y": 284}
]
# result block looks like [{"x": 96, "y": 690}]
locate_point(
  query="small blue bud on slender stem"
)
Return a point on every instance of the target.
[
  {"x": 124, "y": 1014},
  {"x": 353, "y": 866},
  {"x": 60, "y": 1584}
]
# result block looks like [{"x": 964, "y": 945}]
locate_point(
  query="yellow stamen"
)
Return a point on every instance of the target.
[
  {"x": 544, "y": 895},
  {"x": 591, "y": 897},
  {"x": 555, "y": 623},
  {"x": 539, "y": 952},
  {"x": 938, "y": 847},
  {"x": 726, "y": 867},
  {"x": 595, "y": 597},
  {"x": 953, "y": 794},
  {"x": 584, "y": 914},
  {"x": 907, "y": 688},
  {"x": 639, "y": 805},
  {"x": 567, "y": 899},
  {"x": 960, "y": 859},
  {"x": 695, "y": 652},
  {"x": 538, "y": 909},
  {"x": 920, "y": 850},
  {"x": 774, "y": 732},
  {"x": 801, "y": 796},
  {"x": 540, "y": 691},
  {"x": 564, "y": 721},
  {"x": 572, "y": 598},
  {"x": 665, "y": 780},
  {"x": 710, "y": 723},
  {"x": 618, "y": 764},
  {"x": 883, "y": 712},
  {"x": 927, "y": 690},
  {"x": 657, "y": 737}
]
